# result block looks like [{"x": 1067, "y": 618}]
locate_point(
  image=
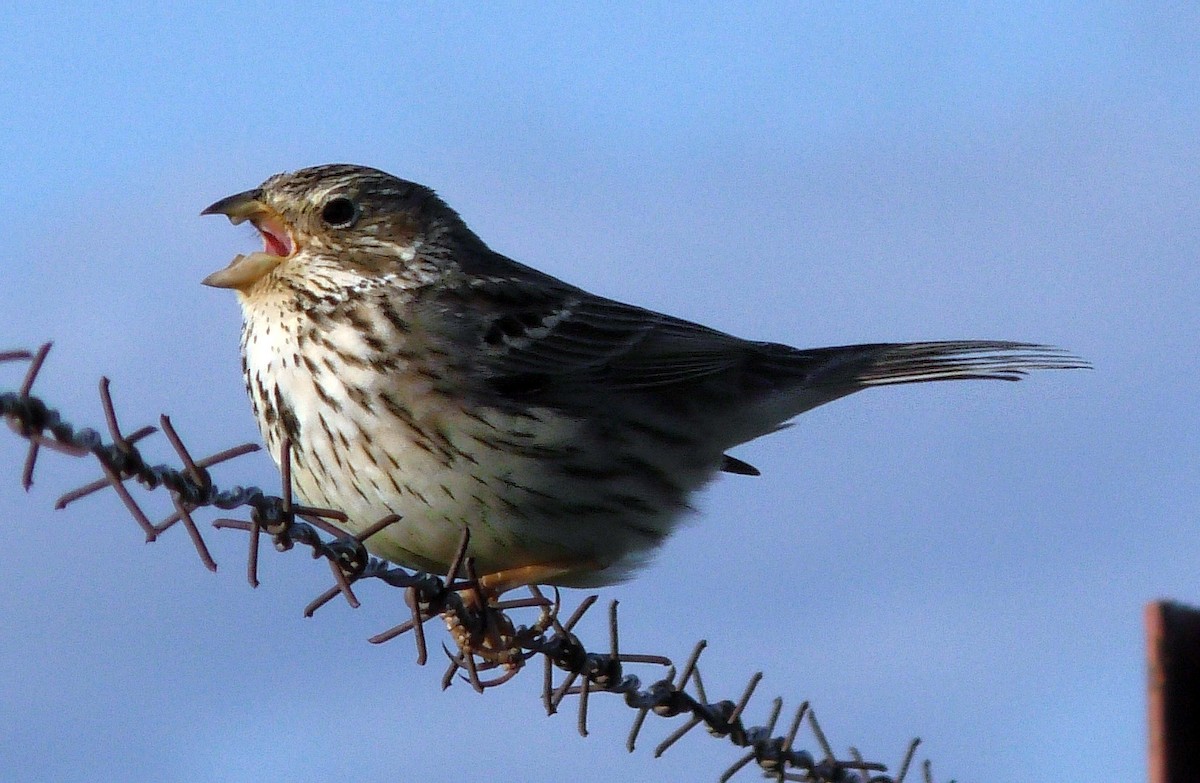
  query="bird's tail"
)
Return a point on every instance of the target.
[
  {"x": 801, "y": 380},
  {"x": 816, "y": 376},
  {"x": 886, "y": 364}
]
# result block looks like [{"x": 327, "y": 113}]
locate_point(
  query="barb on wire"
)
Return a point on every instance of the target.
[{"x": 480, "y": 626}]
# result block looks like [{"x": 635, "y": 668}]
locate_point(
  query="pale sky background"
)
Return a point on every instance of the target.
[{"x": 966, "y": 562}]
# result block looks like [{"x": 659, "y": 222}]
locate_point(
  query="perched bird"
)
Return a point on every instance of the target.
[{"x": 416, "y": 371}]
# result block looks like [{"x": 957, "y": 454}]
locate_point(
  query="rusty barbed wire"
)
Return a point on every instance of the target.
[{"x": 483, "y": 630}]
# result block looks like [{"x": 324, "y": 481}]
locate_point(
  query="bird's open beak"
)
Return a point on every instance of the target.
[{"x": 278, "y": 243}]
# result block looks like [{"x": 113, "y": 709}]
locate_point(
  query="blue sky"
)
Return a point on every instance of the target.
[{"x": 966, "y": 562}]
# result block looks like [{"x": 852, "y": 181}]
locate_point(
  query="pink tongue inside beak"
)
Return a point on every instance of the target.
[{"x": 275, "y": 243}]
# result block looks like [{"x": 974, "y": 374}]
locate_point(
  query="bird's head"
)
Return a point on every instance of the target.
[{"x": 340, "y": 218}]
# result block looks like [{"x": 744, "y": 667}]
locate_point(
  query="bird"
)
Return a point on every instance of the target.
[{"x": 413, "y": 371}]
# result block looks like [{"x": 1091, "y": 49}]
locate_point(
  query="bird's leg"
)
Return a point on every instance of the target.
[
  {"x": 480, "y": 626},
  {"x": 493, "y": 585},
  {"x": 484, "y": 614}
]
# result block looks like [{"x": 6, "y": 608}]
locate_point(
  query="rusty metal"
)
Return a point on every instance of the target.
[{"x": 1173, "y": 663}]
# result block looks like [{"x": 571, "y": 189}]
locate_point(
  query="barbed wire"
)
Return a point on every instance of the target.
[{"x": 483, "y": 629}]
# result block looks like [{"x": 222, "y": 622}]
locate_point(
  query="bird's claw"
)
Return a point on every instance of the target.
[{"x": 486, "y": 637}]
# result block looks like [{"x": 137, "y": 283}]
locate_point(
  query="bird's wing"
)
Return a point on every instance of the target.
[
  {"x": 564, "y": 332},
  {"x": 533, "y": 328},
  {"x": 525, "y": 323}
]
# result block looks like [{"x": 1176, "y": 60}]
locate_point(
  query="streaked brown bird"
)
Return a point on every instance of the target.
[{"x": 418, "y": 372}]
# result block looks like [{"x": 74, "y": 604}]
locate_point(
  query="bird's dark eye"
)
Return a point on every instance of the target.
[{"x": 339, "y": 212}]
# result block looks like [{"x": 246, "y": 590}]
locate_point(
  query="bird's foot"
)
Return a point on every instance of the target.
[{"x": 483, "y": 632}]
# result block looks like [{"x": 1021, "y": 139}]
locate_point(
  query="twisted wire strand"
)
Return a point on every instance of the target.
[{"x": 485, "y": 633}]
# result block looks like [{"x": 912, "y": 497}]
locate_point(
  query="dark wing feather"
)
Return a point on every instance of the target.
[{"x": 534, "y": 324}]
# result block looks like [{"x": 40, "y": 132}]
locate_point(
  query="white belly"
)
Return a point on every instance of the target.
[{"x": 531, "y": 485}]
